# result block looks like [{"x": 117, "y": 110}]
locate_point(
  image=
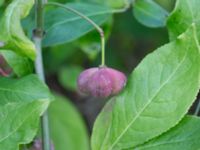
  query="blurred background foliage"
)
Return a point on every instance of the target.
[{"x": 128, "y": 41}]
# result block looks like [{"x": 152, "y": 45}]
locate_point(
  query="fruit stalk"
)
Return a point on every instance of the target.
[
  {"x": 37, "y": 38},
  {"x": 99, "y": 29}
]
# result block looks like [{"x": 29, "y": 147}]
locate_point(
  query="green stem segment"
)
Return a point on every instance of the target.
[
  {"x": 37, "y": 37},
  {"x": 99, "y": 29}
]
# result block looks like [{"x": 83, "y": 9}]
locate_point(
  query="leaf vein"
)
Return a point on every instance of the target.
[{"x": 137, "y": 115}]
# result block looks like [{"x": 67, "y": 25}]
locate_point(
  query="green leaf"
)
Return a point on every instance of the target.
[
  {"x": 1, "y": 2},
  {"x": 111, "y": 3},
  {"x": 22, "y": 103},
  {"x": 149, "y": 13},
  {"x": 159, "y": 93},
  {"x": 63, "y": 26},
  {"x": 184, "y": 136},
  {"x": 68, "y": 76},
  {"x": 1, "y": 12},
  {"x": 20, "y": 65},
  {"x": 185, "y": 13},
  {"x": 67, "y": 127},
  {"x": 12, "y": 33}
]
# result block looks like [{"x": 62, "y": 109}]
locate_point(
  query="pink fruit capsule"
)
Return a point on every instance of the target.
[{"x": 101, "y": 82}]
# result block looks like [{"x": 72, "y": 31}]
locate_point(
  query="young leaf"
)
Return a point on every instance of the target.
[
  {"x": 12, "y": 33},
  {"x": 20, "y": 65},
  {"x": 22, "y": 103},
  {"x": 63, "y": 26},
  {"x": 149, "y": 13},
  {"x": 159, "y": 93},
  {"x": 67, "y": 127},
  {"x": 179, "y": 20},
  {"x": 184, "y": 136}
]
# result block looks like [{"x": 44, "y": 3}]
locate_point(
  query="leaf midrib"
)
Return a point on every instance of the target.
[{"x": 151, "y": 99}]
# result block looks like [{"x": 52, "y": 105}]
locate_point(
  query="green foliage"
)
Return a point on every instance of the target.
[
  {"x": 111, "y": 3},
  {"x": 149, "y": 13},
  {"x": 63, "y": 26},
  {"x": 185, "y": 13},
  {"x": 68, "y": 77},
  {"x": 64, "y": 1},
  {"x": 88, "y": 42},
  {"x": 20, "y": 65},
  {"x": 145, "y": 115},
  {"x": 22, "y": 103},
  {"x": 1, "y": 2},
  {"x": 67, "y": 127},
  {"x": 159, "y": 93},
  {"x": 185, "y": 136},
  {"x": 168, "y": 5},
  {"x": 11, "y": 31},
  {"x": 1, "y": 11}
]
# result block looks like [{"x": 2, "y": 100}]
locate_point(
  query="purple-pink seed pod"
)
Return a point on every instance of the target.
[
  {"x": 84, "y": 78},
  {"x": 119, "y": 80},
  {"x": 101, "y": 82}
]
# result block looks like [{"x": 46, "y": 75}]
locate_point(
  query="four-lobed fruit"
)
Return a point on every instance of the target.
[{"x": 101, "y": 82}]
